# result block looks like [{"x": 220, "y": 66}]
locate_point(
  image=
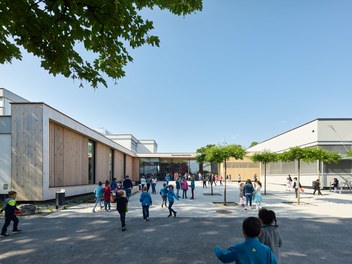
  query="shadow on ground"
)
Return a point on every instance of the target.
[{"x": 166, "y": 240}]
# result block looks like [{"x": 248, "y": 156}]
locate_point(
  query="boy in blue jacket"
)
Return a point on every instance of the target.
[
  {"x": 251, "y": 251},
  {"x": 170, "y": 196},
  {"x": 146, "y": 201},
  {"x": 10, "y": 208}
]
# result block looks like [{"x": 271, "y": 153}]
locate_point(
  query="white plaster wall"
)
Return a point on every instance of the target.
[
  {"x": 303, "y": 136},
  {"x": 342, "y": 130},
  {"x": 5, "y": 162}
]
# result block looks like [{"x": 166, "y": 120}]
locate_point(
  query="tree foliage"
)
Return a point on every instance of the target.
[
  {"x": 253, "y": 144},
  {"x": 219, "y": 154},
  {"x": 53, "y": 30},
  {"x": 201, "y": 153},
  {"x": 265, "y": 156},
  {"x": 309, "y": 155}
]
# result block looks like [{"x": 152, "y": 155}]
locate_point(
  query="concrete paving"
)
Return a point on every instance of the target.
[{"x": 316, "y": 231}]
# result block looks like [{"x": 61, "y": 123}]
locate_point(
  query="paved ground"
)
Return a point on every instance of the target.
[{"x": 317, "y": 231}]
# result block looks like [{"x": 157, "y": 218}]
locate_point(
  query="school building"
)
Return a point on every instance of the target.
[
  {"x": 43, "y": 151},
  {"x": 332, "y": 134}
]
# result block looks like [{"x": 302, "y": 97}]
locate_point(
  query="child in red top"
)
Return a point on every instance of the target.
[{"x": 107, "y": 195}]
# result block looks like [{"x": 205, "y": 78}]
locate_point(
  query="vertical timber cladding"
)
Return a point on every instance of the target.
[
  {"x": 27, "y": 151},
  {"x": 129, "y": 167},
  {"x": 68, "y": 152},
  {"x": 102, "y": 153},
  {"x": 118, "y": 165},
  {"x": 135, "y": 169},
  {"x": 246, "y": 168}
]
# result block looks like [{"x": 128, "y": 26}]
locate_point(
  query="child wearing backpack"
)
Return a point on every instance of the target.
[{"x": 10, "y": 209}]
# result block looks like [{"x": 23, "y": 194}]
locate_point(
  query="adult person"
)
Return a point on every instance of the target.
[
  {"x": 239, "y": 178},
  {"x": 248, "y": 193},
  {"x": 316, "y": 187},
  {"x": 255, "y": 178},
  {"x": 127, "y": 185}
]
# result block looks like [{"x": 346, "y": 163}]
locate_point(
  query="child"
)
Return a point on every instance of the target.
[
  {"x": 270, "y": 235},
  {"x": 98, "y": 193},
  {"x": 249, "y": 251},
  {"x": 242, "y": 194},
  {"x": 163, "y": 193},
  {"x": 146, "y": 201},
  {"x": 258, "y": 195},
  {"x": 10, "y": 208},
  {"x": 121, "y": 207},
  {"x": 107, "y": 196},
  {"x": 184, "y": 187},
  {"x": 170, "y": 196}
]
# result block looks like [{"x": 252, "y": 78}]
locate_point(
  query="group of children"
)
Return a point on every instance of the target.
[
  {"x": 167, "y": 194},
  {"x": 249, "y": 193},
  {"x": 262, "y": 241}
]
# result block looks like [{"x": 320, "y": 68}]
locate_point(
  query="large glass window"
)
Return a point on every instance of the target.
[
  {"x": 159, "y": 167},
  {"x": 91, "y": 162}
]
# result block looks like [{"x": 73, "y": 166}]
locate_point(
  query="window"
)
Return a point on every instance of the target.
[{"x": 91, "y": 162}]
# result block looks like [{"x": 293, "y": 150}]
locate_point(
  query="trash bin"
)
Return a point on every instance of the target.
[{"x": 60, "y": 198}]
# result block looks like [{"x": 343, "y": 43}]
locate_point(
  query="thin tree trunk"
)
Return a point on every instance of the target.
[
  {"x": 264, "y": 178},
  {"x": 225, "y": 185},
  {"x": 299, "y": 182}
]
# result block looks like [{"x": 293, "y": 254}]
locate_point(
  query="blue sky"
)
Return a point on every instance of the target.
[{"x": 237, "y": 72}]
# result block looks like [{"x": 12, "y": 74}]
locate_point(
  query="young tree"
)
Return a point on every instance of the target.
[
  {"x": 322, "y": 155},
  {"x": 264, "y": 157},
  {"x": 220, "y": 154},
  {"x": 54, "y": 31},
  {"x": 308, "y": 155}
]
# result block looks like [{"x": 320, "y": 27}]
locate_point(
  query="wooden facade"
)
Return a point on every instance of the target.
[
  {"x": 50, "y": 153},
  {"x": 68, "y": 157},
  {"x": 246, "y": 168},
  {"x": 27, "y": 152}
]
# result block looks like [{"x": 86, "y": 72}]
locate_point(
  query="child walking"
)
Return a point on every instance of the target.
[
  {"x": 249, "y": 251},
  {"x": 258, "y": 195},
  {"x": 10, "y": 208},
  {"x": 163, "y": 193},
  {"x": 98, "y": 193},
  {"x": 270, "y": 235},
  {"x": 107, "y": 196},
  {"x": 146, "y": 201},
  {"x": 170, "y": 196},
  {"x": 121, "y": 207},
  {"x": 241, "y": 188}
]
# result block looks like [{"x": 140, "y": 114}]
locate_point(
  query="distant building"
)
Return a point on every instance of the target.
[{"x": 333, "y": 134}]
